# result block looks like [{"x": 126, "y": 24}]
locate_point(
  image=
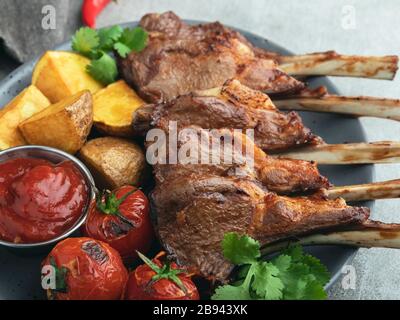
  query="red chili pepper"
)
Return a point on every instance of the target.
[{"x": 91, "y": 9}]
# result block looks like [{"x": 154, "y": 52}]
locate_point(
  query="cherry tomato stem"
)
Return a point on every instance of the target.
[
  {"x": 122, "y": 219},
  {"x": 157, "y": 280}
]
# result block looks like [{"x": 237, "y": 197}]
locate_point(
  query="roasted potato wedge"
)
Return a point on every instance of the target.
[
  {"x": 113, "y": 108},
  {"x": 22, "y": 107},
  {"x": 60, "y": 74},
  {"x": 64, "y": 125},
  {"x": 114, "y": 162}
]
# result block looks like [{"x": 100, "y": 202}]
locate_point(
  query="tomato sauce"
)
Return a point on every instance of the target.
[{"x": 39, "y": 200}]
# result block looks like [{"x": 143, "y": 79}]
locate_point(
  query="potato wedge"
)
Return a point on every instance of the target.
[
  {"x": 114, "y": 162},
  {"x": 113, "y": 108},
  {"x": 22, "y": 107},
  {"x": 60, "y": 74},
  {"x": 64, "y": 125}
]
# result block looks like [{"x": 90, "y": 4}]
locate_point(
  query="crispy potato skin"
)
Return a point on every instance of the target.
[
  {"x": 113, "y": 108},
  {"x": 22, "y": 107},
  {"x": 60, "y": 74},
  {"x": 64, "y": 125},
  {"x": 114, "y": 162}
]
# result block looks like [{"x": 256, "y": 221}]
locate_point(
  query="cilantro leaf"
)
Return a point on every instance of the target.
[
  {"x": 229, "y": 292},
  {"x": 304, "y": 277},
  {"x": 85, "y": 41},
  {"x": 317, "y": 269},
  {"x": 305, "y": 288},
  {"x": 103, "y": 69},
  {"x": 295, "y": 252},
  {"x": 294, "y": 281},
  {"x": 97, "y": 44},
  {"x": 131, "y": 40},
  {"x": 240, "y": 292},
  {"x": 240, "y": 250},
  {"x": 266, "y": 283},
  {"x": 122, "y": 49},
  {"x": 293, "y": 275},
  {"x": 314, "y": 291},
  {"x": 282, "y": 262},
  {"x": 108, "y": 36}
]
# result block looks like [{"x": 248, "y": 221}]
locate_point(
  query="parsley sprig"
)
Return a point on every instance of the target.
[
  {"x": 98, "y": 44},
  {"x": 293, "y": 275}
]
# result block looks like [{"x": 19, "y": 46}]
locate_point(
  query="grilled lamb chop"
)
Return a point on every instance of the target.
[
  {"x": 194, "y": 214},
  {"x": 236, "y": 106},
  {"x": 232, "y": 106},
  {"x": 242, "y": 159},
  {"x": 196, "y": 204},
  {"x": 180, "y": 58}
]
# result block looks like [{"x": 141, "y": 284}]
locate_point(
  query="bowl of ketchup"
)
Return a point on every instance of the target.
[{"x": 45, "y": 195}]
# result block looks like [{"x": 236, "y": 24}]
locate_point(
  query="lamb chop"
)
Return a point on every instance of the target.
[
  {"x": 193, "y": 219},
  {"x": 236, "y": 106},
  {"x": 232, "y": 106},
  {"x": 180, "y": 58},
  {"x": 241, "y": 158},
  {"x": 196, "y": 204}
]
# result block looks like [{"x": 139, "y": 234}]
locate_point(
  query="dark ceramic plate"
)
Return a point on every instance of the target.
[{"x": 20, "y": 275}]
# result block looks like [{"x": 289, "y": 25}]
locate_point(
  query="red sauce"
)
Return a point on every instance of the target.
[{"x": 39, "y": 200}]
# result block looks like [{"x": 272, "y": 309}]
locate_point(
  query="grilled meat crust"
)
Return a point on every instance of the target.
[
  {"x": 180, "y": 58},
  {"x": 231, "y": 106},
  {"x": 244, "y": 159},
  {"x": 193, "y": 218}
]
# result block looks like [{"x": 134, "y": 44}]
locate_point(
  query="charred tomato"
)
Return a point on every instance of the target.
[
  {"x": 84, "y": 269},
  {"x": 122, "y": 219},
  {"x": 157, "y": 280}
]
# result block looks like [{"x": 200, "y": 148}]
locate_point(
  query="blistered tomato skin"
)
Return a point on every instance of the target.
[
  {"x": 39, "y": 200},
  {"x": 134, "y": 232},
  {"x": 141, "y": 287},
  {"x": 94, "y": 270}
]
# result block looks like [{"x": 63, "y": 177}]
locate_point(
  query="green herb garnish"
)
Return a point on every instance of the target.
[
  {"x": 293, "y": 275},
  {"x": 98, "y": 44},
  {"x": 103, "y": 69}
]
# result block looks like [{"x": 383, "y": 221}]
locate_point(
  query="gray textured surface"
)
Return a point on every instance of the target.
[
  {"x": 26, "y": 40},
  {"x": 308, "y": 26}
]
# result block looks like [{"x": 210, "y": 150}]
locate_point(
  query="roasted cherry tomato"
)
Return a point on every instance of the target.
[
  {"x": 84, "y": 269},
  {"x": 156, "y": 280},
  {"x": 122, "y": 220}
]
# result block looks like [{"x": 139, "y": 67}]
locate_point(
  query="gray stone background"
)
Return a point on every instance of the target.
[{"x": 300, "y": 26}]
